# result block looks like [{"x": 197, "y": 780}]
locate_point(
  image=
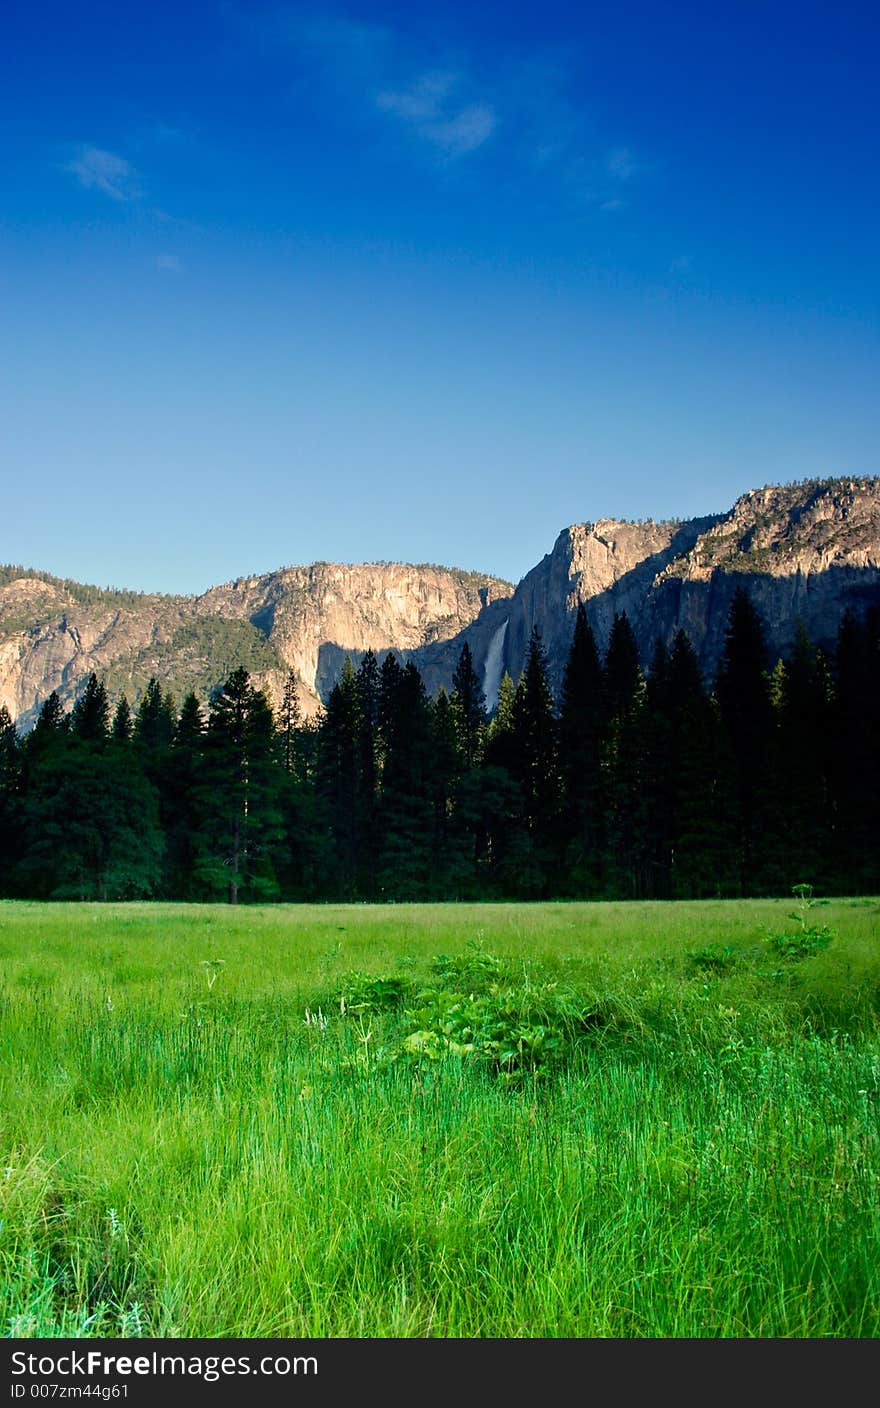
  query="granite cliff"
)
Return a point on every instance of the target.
[
  {"x": 53, "y": 633},
  {"x": 805, "y": 551}
]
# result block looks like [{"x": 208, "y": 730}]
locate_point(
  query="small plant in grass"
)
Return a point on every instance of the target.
[
  {"x": 810, "y": 937},
  {"x": 212, "y": 968},
  {"x": 367, "y": 992},
  {"x": 476, "y": 966},
  {"x": 517, "y": 1022},
  {"x": 506, "y": 1016},
  {"x": 712, "y": 958}
]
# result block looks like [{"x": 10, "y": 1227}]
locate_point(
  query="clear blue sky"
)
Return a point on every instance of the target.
[{"x": 424, "y": 282}]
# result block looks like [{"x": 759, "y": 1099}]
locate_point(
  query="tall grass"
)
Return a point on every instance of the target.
[{"x": 182, "y": 1153}]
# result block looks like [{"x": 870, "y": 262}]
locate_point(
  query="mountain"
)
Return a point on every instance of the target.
[
  {"x": 53, "y": 633},
  {"x": 805, "y": 551}
]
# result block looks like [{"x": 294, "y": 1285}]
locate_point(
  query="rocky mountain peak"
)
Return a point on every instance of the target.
[{"x": 806, "y": 551}]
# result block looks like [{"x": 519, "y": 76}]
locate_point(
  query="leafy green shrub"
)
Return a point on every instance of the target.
[
  {"x": 474, "y": 968},
  {"x": 712, "y": 958},
  {"x": 810, "y": 938},
  {"x": 509, "y": 1017},
  {"x": 516, "y": 1030},
  {"x": 369, "y": 992}
]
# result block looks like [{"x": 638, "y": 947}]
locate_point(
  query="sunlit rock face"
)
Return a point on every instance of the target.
[
  {"x": 805, "y": 552},
  {"x": 304, "y": 619}
]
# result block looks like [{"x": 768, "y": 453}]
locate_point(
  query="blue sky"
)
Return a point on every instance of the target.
[{"x": 429, "y": 282}]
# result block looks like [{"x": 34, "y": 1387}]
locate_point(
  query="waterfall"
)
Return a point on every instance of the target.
[{"x": 494, "y": 667}]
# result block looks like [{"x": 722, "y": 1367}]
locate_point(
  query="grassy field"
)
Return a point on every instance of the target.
[{"x": 458, "y": 1121}]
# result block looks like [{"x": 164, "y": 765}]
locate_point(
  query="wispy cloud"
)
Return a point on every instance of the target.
[
  {"x": 435, "y": 97},
  {"x": 100, "y": 170},
  {"x": 453, "y": 103},
  {"x": 437, "y": 108},
  {"x": 171, "y": 263}
]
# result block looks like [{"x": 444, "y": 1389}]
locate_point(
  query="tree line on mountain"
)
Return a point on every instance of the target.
[{"x": 628, "y": 786}]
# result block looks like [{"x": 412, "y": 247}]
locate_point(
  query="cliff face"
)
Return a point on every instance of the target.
[
  {"x": 305, "y": 619},
  {"x": 805, "y": 552}
]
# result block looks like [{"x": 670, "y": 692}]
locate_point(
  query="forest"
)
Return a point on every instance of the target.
[{"x": 629, "y": 785}]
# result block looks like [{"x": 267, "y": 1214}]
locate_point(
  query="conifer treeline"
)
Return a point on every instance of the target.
[{"x": 626, "y": 787}]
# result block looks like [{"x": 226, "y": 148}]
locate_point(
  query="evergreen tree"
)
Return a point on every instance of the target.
[
  {"x": 658, "y": 681},
  {"x": 390, "y": 676},
  {"x": 451, "y": 867},
  {"x": 500, "y": 745},
  {"x": 367, "y": 779},
  {"x": 627, "y": 869},
  {"x": 240, "y": 826},
  {"x": 51, "y": 721},
  {"x": 91, "y": 824},
  {"x": 123, "y": 726},
  {"x": 337, "y": 777},
  {"x": 535, "y": 762},
  {"x": 699, "y": 836},
  {"x": 743, "y": 693},
  {"x": 468, "y": 708},
  {"x": 90, "y": 720},
  {"x": 622, "y": 677},
  {"x": 289, "y": 723},
  {"x": 182, "y": 799},
  {"x": 406, "y": 814},
  {"x": 155, "y": 719},
  {"x": 799, "y": 845},
  {"x": 580, "y": 760},
  {"x": 11, "y": 800},
  {"x": 854, "y": 764},
  {"x": 659, "y": 775}
]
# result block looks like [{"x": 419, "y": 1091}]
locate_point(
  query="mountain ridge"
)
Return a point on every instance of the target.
[{"x": 806, "y": 550}]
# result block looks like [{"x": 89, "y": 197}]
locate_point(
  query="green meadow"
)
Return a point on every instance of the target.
[{"x": 579, "y": 1120}]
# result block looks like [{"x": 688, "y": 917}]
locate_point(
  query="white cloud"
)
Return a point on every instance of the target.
[
  {"x": 434, "y": 107},
  {"x": 172, "y": 263},
  {"x": 100, "y": 170},
  {"x": 454, "y": 103},
  {"x": 464, "y": 132}
]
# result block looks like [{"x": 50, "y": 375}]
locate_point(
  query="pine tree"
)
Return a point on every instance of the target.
[
  {"x": 499, "y": 735},
  {"x": 798, "y": 848},
  {"x": 240, "y": 815},
  {"x": 700, "y": 840},
  {"x": 90, "y": 720},
  {"x": 155, "y": 718},
  {"x": 51, "y": 721},
  {"x": 535, "y": 762},
  {"x": 659, "y": 778},
  {"x": 123, "y": 727},
  {"x": 468, "y": 708},
  {"x": 622, "y": 677},
  {"x": 337, "y": 777},
  {"x": 390, "y": 676},
  {"x": 367, "y": 774},
  {"x": 91, "y": 824},
  {"x": 183, "y": 793},
  {"x": 289, "y": 722},
  {"x": 11, "y": 800},
  {"x": 407, "y": 829},
  {"x": 580, "y": 756},
  {"x": 854, "y": 765},
  {"x": 627, "y": 869},
  {"x": 743, "y": 693}
]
